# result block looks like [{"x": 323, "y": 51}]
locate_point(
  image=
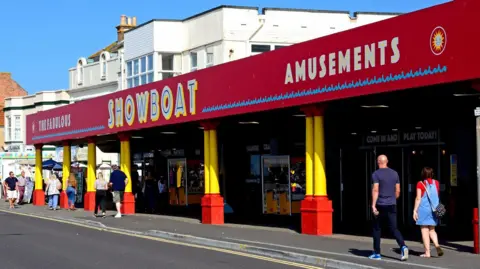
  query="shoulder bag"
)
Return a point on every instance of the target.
[{"x": 440, "y": 210}]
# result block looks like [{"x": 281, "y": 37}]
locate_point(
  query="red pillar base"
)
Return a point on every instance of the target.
[
  {"x": 89, "y": 201},
  {"x": 212, "y": 209},
  {"x": 317, "y": 215},
  {"x": 63, "y": 200},
  {"x": 38, "y": 198},
  {"x": 128, "y": 205}
]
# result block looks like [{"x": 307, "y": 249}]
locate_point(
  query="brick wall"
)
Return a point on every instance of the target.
[{"x": 8, "y": 88}]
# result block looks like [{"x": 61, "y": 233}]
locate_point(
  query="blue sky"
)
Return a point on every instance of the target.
[{"x": 41, "y": 40}]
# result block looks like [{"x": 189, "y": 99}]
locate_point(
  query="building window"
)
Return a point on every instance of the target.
[
  {"x": 80, "y": 74},
  {"x": 258, "y": 49},
  {"x": 104, "y": 57},
  {"x": 209, "y": 58},
  {"x": 140, "y": 71},
  {"x": 193, "y": 61},
  {"x": 18, "y": 129},
  {"x": 168, "y": 69},
  {"x": 279, "y": 47},
  {"x": 8, "y": 132}
]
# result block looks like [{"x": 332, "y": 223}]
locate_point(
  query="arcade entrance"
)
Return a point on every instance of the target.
[{"x": 407, "y": 159}]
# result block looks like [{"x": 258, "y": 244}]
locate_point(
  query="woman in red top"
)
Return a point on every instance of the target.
[{"x": 428, "y": 193}]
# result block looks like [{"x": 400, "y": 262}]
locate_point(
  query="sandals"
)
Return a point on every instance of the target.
[{"x": 439, "y": 251}]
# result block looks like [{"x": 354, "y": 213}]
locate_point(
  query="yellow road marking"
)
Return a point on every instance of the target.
[{"x": 232, "y": 252}]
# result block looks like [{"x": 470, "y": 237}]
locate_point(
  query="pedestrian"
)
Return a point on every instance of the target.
[
  {"x": 385, "y": 192},
  {"x": 22, "y": 181},
  {"x": 428, "y": 191},
  {"x": 101, "y": 187},
  {"x": 53, "y": 191},
  {"x": 71, "y": 191},
  {"x": 151, "y": 189},
  {"x": 11, "y": 187},
  {"x": 118, "y": 181}
]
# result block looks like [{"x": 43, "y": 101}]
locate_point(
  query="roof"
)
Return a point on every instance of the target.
[
  {"x": 112, "y": 48},
  {"x": 262, "y": 11}
]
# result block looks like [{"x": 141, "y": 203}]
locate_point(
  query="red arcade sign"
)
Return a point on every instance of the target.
[{"x": 427, "y": 47}]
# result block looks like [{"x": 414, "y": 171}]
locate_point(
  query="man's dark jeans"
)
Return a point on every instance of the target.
[{"x": 387, "y": 213}]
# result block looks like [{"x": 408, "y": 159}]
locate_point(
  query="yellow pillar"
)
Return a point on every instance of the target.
[
  {"x": 320, "y": 179},
  {"x": 38, "y": 169},
  {"x": 309, "y": 151},
  {"x": 91, "y": 166},
  {"x": 206, "y": 164},
  {"x": 214, "y": 185},
  {"x": 67, "y": 158},
  {"x": 125, "y": 162},
  {"x": 38, "y": 194}
]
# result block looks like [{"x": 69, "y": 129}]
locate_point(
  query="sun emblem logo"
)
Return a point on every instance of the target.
[{"x": 438, "y": 40}]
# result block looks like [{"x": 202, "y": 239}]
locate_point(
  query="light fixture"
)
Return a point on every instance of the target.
[
  {"x": 395, "y": 130},
  {"x": 137, "y": 137},
  {"x": 201, "y": 128},
  {"x": 248, "y": 122},
  {"x": 374, "y": 106},
  {"x": 298, "y": 115},
  {"x": 465, "y": 94},
  {"x": 354, "y": 134},
  {"x": 168, "y": 133},
  {"x": 373, "y": 132},
  {"x": 418, "y": 127}
]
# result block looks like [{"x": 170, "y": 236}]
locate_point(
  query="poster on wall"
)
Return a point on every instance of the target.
[
  {"x": 297, "y": 179},
  {"x": 453, "y": 170},
  {"x": 79, "y": 197},
  {"x": 177, "y": 180},
  {"x": 276, "y": 194},
  {"x": 195, "y": 177}
]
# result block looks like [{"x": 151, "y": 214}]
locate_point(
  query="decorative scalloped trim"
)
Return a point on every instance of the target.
[
  {"x": 351, "y": 85},
  {"x": 73, "y": 132}
]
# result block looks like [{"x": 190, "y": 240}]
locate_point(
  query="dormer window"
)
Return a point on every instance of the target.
[
  {"x": 80, "y": 74},
  {"x": 104, "y": 57}
]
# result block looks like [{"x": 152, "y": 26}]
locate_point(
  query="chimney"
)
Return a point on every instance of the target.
[{"x": 126, "y": 23}]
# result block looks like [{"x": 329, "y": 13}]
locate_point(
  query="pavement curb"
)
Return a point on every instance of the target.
[
  {"x": 324, "y": 263},
  {"x": 273, "y": 253}
]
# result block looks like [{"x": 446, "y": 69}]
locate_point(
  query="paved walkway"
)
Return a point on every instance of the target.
[{"x": 339, "y": 247}]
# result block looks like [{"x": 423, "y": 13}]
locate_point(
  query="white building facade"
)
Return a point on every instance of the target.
[
  {"x": 159, "y": 49},
  {"x": 17, "y": 108}
]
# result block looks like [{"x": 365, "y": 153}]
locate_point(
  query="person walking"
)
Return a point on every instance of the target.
[
  {"x": 428, "y": 191},
  {"x": 53, "y": 191},
  {"x": 11, "y": 187},
  {"x": 385, "y": 192},
  {"x": 118, "y": 181},
  {"x": 71, "y": 191},
  {"x": 22, "y": 181},
  {"x": 101, "y": 187}
]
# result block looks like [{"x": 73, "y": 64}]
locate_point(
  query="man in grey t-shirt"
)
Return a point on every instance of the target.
[
  {"x": 22, "y": 181},
  {"x": 385, "y": 192}
]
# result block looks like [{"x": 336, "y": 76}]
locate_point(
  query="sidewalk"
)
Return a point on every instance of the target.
[{"x": 275, "y": 241}]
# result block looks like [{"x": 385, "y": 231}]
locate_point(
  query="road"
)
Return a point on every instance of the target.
[{"x": 27, "y": 242}]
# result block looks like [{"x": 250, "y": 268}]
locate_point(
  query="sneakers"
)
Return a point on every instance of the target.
[
  {"x": 118, "y": 215},
  {"x": 404, "y": 251},
  {"x": 375, "y": 256},
  {"x": 103, "y": 215}
]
